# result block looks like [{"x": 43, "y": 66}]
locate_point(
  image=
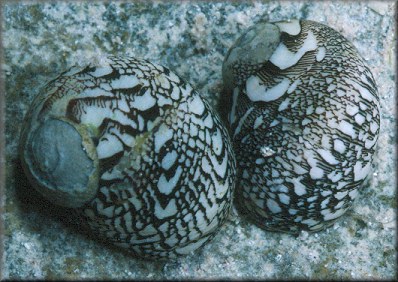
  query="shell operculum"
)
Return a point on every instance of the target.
[{"x": 63, "y": 161}]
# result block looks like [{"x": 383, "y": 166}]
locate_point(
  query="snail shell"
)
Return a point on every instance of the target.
[
  {"x": 136, "y": 151},
  {"x": 305, "y": 121}
]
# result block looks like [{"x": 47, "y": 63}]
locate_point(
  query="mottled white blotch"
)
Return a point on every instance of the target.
[
  {"x": 327, "y": 156},
  {"x": 196, "y": 105},
  {"x": 108, "y": 147},
  {"x": 293, "y": 86},
  {"x": 166, "y": 186},
  {"x": 162, "y": 136},
  {"x": 124, "y": 82},
  {"x": 284, "y": 58},
  {"x": 291, "y": 27},
  {"x": 258, "y": 122},
  {"x": 267, "y": 151},
  {"x": 169, "y": 210},
  {"x": 320, "y": 55},
  {"x": 143, "y": 102},
  {"x": 360, "y": 172},
  {"x": 347, "y": 128},
  {"x": 257, "y": 91},
  {"x": 339, "y": 146},
  {"x": 273, "y": 206},
  {"x": 299, "y": 188},
  {"x": 101, "y": 71}
]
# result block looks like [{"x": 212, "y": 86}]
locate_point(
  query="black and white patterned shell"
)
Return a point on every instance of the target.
[
  {"x": 139, "y": 154},
  {"x": 304, "y": 122}
]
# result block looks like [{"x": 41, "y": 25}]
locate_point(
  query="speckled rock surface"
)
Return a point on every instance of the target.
[{"x": 41, "y": 241}]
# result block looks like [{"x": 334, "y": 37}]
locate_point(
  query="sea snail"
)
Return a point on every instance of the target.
[
  {"x": 135, "y": 151},
  {"x": 304, "y": 120}
]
